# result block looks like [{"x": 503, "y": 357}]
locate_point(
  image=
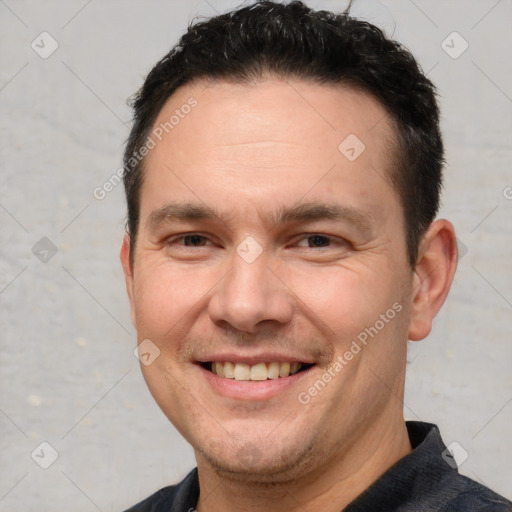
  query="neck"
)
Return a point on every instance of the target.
[{"x": 331, "y": 486}]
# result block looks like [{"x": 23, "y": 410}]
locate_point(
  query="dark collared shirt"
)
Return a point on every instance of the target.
[{"x": 425, "y": 480}]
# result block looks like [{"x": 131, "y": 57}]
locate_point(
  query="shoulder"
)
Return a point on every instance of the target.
[
  {"x": 181, "y": 497},
  {"x": 440, "y": 483},
  {"x": 471, "y": 496}
]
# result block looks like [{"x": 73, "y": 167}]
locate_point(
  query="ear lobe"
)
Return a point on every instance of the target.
[
  {"x": 433, "y": 276},
  {"x": 128, "y": 274}
]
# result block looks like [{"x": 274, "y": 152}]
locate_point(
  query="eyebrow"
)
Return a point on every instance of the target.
[
  {"x": 310, "y": 212},
  {"x": 300, "y": 213},
  {"x": 181, "y": 211}
]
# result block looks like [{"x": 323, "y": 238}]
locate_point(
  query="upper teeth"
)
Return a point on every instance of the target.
[{"x": 260, "y": 371}]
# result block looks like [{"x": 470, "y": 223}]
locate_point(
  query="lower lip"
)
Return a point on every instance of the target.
[{"x": 252, "y": 389}]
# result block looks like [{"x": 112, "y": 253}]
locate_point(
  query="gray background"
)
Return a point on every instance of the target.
[{"x": 68, "y": 375}]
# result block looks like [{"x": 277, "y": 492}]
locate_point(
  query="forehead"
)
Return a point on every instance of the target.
[
  {"x": 270, "y": 137},
  {"x": 251, "y": 112}
]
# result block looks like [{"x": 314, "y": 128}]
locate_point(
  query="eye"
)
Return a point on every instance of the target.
[
  {"x": 188, "y": 240},
  {"x": 194, "y": 240},
  {"x": 316, "y": 241}
]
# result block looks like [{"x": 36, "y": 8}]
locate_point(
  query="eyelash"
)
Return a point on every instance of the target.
[{"x": 173, "y": 241}]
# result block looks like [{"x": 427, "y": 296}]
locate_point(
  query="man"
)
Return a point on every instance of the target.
[{"x": 282, "y": 178}]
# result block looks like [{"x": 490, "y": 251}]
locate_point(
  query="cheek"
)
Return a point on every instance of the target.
[
  {"x": 341, "y": 302},
  {"x": 165, "y": 297}
]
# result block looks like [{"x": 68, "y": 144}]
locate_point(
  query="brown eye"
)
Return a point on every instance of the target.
[
  {"x": 187, "y": 240},
  {"x": 194, "y": 240},
  {"x": 318, "y": 241}
]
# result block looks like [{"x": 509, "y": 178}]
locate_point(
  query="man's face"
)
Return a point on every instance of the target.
[{"x": 262, "y": 240}]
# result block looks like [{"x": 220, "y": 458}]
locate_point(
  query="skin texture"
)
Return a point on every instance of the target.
[{"x": 248, "y": 152}]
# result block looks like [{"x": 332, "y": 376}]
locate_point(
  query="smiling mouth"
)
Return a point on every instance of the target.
[{"x": 256, "y": 372}]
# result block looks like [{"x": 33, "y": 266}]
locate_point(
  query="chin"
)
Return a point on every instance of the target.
[{"x": 261, "y": 465}]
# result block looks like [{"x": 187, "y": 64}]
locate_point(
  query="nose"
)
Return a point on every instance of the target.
[{"x": 250, "y": 296}]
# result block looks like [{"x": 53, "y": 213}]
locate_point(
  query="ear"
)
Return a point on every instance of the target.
[
  {"x": 433, "y": 276},
  {"x": 128, "y": 274}
]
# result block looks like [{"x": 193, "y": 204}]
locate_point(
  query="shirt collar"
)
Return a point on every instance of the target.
[{"x": 412, "y": 478}]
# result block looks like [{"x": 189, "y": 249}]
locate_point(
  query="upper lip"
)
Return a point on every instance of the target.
[{"x": 264, "y": 357}]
